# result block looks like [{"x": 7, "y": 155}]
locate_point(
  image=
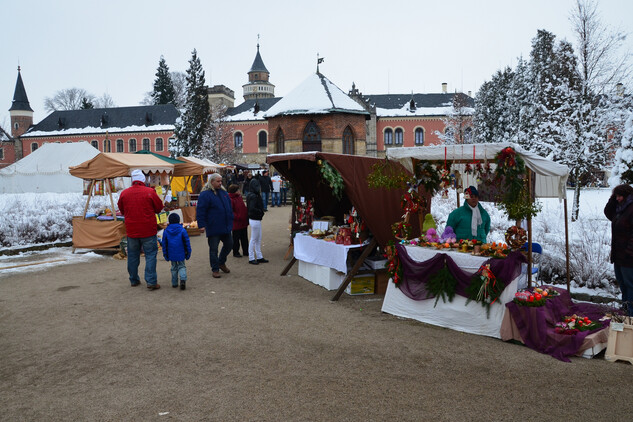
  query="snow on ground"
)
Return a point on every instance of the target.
[{"x": 34, "y": 261}]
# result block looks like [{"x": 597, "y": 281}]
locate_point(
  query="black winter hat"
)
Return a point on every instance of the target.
[{"x": 174, "y": 218}]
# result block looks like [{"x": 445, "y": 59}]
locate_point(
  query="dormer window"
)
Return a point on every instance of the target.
[
  {"x": 61, "y": 122},
  {"x": 148, "y": 118},
  {"x": 104, "y": 120}
]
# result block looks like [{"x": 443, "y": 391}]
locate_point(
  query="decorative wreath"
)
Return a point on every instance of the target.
[
  {"x": 516, "y": 237},
  {"x": 411, "y": 201}
]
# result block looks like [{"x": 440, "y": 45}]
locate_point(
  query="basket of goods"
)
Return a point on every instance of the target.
[
  {"x": 192, "y": 228},
  {"x": 516, "y": 237},
  {"x": 317, "y": 233}
]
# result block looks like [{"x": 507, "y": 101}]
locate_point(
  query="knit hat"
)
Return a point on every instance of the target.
[
  {"x": 174, "y": 218},
  {"x": 472, "y": 191},
  {"x": 138, "y": 176}
]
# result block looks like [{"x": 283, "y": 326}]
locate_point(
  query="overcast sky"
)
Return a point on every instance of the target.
[{"x": 383, "y": 46}]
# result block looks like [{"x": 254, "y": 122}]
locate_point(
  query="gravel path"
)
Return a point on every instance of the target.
[{"x": 78, "y": 343}]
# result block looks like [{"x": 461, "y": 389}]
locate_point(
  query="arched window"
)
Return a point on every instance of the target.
[
  {"x": 16, "y": 126},
  {"x": 279, "y": 143},
  {"x": 159, "y": 144},
  {"x": 132, "y": 143},
  {"x": 119, "y": 145},
  {"x": 34, "y": 146},
  {"x": 263, "y": 139},
  {"x": 146, "y": 144},
  {"x": 312, "y": 137},
  {"x": 106, "y": 145},
  {"x": 348, "y": 141},
  {"x": 399, "y": 136},
  {"x": 388, "y": 136},
  {"x": 95, "y": 143},
  {"x": 238, "y": 139},
  {"x": 419, "y": 136}
]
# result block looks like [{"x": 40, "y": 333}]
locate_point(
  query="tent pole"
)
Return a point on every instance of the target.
[
  {"x": 529, "y": 230},
  {"x": 92, "y": 182},
  {"x": 566, "y": 241},
  {"x": 107, "y": 182}
]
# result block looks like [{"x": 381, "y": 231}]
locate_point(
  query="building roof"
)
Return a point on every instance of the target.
[
  {"x": 316, "y": 95},
  {"x": 247, "y": 110},
  {"x": 258, "y": 63},
  {"x": 113, "y": 120},
  {"x": 4, "y": 136},
  {"x": 424, "y": 104},
  {"x": 20, "y": 100}
]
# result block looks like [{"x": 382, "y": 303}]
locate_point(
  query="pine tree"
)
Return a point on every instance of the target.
[
  {"x": 191, "y": 129},
  {"x": 163, "y": 86},
  {"x": 86, "y": 104},
  {"x": 492, "y": 117}
]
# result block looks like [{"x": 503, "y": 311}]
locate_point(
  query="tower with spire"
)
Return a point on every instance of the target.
[
  {"x": 258, "y": 85},
  {"x": 21, "y": 112}
]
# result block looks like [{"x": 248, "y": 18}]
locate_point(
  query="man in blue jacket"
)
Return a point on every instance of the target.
[
  {"x": 470, "y": 221},
  {"x": 215, "y": 217}
]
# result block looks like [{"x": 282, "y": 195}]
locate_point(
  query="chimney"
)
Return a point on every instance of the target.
[
  {"x": 444, "y": 87},
  {"x": 470, "y": 93},
  {"x": 619, "y": 89}
]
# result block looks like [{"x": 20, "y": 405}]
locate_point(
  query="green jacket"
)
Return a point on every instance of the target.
[{"x": 461, "y": 218}]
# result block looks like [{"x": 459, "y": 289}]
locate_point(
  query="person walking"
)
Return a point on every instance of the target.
[
  {"x": 255, "y": 206},
  {"x": 619, "y": 210},
  {"x": 284, "y": 190},
  {"x": 248, "y": 176},
  {"x": 215, "y": 217},
  {"x": 240, "y": 222},
  {"x": 139, "y": 205},
  {"x": 176, "y": 249},
  {"x": 265, "y": 186},
  {"x": 276, "y": 190}
]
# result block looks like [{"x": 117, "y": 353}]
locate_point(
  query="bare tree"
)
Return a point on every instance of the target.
[
  {"x": 179, "y": 79},
  {"x": 458, "y": 122},
  {"x": 218, "y": 145},
  {"x": 105, "y": 101},
  {"x": 67, "y": 99}
]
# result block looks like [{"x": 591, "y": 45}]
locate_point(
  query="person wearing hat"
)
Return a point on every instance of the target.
[
  {"x": 471, "y": 220},
  {"x": 176, "y": 249},
  {"x": 139, "y": 205}
]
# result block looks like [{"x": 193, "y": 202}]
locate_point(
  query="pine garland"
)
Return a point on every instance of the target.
[
  {"x": 387, "y": 174},
  {"x": 441, "y": 284},
  {"x": 513, "y": 199},
  {"x": 333, "y": 178}
]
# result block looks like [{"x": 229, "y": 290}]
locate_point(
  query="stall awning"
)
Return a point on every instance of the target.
[
  {"x": 192, "y": 166},
  {"x": 551, "y": 177},
  {"x": 112, "y": 164}
]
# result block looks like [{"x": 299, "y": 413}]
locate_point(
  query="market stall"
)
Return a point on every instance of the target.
[
  {"x": 107, "y": 231},
  {"x": 184, "y": 171},
  {"x": 318, "y": 177}
]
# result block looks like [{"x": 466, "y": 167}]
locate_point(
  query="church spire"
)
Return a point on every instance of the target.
[
  {"x": 258, "y": 85},
  {"x": 20, "y": 100},
  {"x": 21, "y": 112}
]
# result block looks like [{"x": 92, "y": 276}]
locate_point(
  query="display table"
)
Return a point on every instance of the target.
[
  {"x": 323, "y": 263},
  {"x": 535, "y": 327},
  {"x": 95, "y": 234},
  {"x": 456, "y": 315}
]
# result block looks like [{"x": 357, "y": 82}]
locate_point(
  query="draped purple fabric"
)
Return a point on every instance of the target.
[
  {"x": 416, "y": 274},
  {"x": 537, "y": 324}
]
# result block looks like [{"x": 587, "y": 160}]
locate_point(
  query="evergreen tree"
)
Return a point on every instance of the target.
[
  {"x": 622, "y": 171},
  {"x": 191, "y": 129},
  {"x": 86, "y": 104},
  {"x": 163, "y": 86},
  {"x": 492, "y": 116}
]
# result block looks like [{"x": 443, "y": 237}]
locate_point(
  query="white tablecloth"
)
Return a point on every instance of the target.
[
  {"x": 320, "y": 252},
  {"x": 454, "y": 315}
]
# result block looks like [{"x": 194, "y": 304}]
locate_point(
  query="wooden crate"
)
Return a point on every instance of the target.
[{"x": 620, "y": 343}]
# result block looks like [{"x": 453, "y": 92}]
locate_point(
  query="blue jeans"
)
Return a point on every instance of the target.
[
  {"x": 150, "y": 247},
  {"x": 214, "y": 243},
  {"x": 265, "y": 196},
  {"x": 624, "y": 277},
  {"x": 275, "y": 199},
  {"x": 178, "y": 268},
  {"x": 284, "y": 194}
]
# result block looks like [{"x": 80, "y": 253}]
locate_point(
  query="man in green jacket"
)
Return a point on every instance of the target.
[{"x": 470, "y": 221}]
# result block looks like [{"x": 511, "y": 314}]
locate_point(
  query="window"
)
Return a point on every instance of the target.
[
  {"x": 311, "y": 137},
  {"x": 237, "y": 138},
  {"x": 388, "y": 136},
  {"x": 119, "y": 145},
  {"x": 16, "y": 126},
  {"x": 399, "y": 136},
  {"x": 34, "y": 146},
  {"x": 95, "y": 143},
  {"x": 146, "y": 144},
  {"x": 419, "y": 136},
  {"x": 159, "y": 144},
  {"x": 132, "y": 143},
  {"x": 263, "y": 139},
  {"x": 348, "y": 141},
  {"x": 106, "y": 145},
  {"x": 1, "y": 153},
  {"x": 280, "y": 142}
]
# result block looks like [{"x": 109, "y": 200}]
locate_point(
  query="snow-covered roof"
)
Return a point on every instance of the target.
[
  {"x": 316, "y": 95},
  {"x": 551, "y": 177}
]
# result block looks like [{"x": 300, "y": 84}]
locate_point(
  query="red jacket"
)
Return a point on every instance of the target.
[
  {"x": 240, "y": 214},
  {"x": 139, "y": 205}
]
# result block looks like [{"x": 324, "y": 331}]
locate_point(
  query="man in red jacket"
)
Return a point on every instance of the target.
[{"x": 139, "y": 205}]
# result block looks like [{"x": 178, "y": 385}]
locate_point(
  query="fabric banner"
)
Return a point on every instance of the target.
[{"x": 416, "y": 274}]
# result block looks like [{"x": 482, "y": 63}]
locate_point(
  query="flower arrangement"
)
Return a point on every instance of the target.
[
  {"x": 401, "y": 230},
  {"x": 571, "y": 325},
  {"x": 484, "y": 288},
  {"x": 494, "y": 249},
  {"x": 514, "y": 199},
  {"x": 394, "y": 267},
  {"x": 448, "y": 236},
  {"x": 528, "y": 298},
  {"x": 431, "y": 236}
]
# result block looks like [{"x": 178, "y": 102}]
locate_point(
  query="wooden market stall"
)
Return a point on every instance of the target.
[
  {"x": 379, "y": 208},
  {"x": 188, "y": 168},
  {"x": 97, "y": 234}
]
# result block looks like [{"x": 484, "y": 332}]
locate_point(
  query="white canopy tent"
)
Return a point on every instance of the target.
[
  {"x": 46, "y": 169},
  {"x": 550, "y": 178}
]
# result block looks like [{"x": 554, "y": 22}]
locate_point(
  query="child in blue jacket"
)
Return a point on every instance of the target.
[{"x": 176, "y": 249}]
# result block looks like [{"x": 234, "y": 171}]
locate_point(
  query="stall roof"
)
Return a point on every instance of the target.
[
  {"x": 379, "y": 208},
  {"x": 551, "y": 177},
  {"x": 113, "y": 164},
  {"x": 193, "y": 166}
]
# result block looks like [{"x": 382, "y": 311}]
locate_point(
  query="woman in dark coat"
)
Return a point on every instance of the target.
[
  {"x": 619, "y": 210},
  {"x": 255, "y": 207},
  {"x": 240, "y": 222}
]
